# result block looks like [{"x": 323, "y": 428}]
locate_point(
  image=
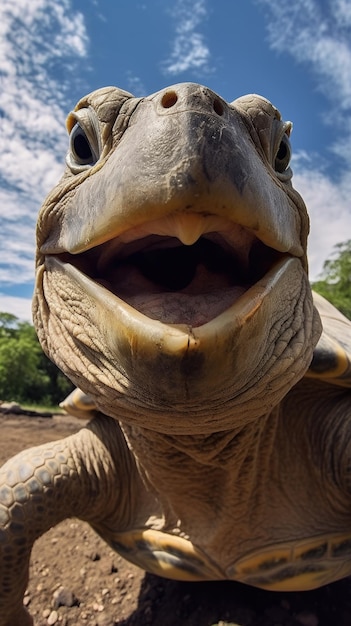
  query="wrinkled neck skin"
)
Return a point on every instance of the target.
[{"x": 238, "y": 459}]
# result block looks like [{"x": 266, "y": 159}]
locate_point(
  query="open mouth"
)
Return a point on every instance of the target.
[{"x": 177, "y": 283}]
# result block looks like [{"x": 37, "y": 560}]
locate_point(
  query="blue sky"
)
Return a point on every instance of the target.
[{"x": 297, "y": 54}]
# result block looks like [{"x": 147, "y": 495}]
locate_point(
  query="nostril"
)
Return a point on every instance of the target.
[
  {"x": 218, "y": 106},
  {"x": 169, "y": 99}
]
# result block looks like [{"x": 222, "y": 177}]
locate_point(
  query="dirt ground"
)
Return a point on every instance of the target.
[{"x": 77, "y": 580}]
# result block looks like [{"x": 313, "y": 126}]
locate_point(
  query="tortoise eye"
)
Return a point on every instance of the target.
[
  {"x": 283, "y": 156},
  {"x": 80, "y": 148}
]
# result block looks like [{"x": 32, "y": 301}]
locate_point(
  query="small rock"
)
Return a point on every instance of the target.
[
  {"x": 27, "y": 600},
  {"x": 46, "y": 613},
  {"x": 103, "y": 620},
  {"x": 84, "y": 615},
  {"x": 64, "y": 597},
  {"x": 11, "y": 407},
  {"x": 53, "y": 617}
]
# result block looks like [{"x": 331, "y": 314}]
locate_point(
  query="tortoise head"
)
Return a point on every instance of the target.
[{"x": 171, "y": 259}]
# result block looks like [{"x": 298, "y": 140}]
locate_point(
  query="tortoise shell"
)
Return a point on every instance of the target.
[
  {"x": 306, "y": 564},
  {"x": 332, "y": 356}
]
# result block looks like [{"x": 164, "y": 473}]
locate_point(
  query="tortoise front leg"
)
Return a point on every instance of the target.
[{"x": 78, "y": 476}]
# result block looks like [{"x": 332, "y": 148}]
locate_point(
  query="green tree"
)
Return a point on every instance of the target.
[
  {"x": 26, "y": 374},
  {"x": 8, "y": 324},
  {"x": 20, "y": 376},
  {"x": 335, "y": 281}
]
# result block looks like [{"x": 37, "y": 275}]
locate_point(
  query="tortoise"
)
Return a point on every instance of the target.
[{"x": 172, "y": 289}]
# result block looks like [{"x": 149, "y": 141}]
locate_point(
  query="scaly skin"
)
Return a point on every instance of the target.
[
  {"x": 77, "y": 476},
  {"x": 172, "y": 288}
]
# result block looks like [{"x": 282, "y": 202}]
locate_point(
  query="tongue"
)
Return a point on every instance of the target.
[{"x": 182, "y": 308}]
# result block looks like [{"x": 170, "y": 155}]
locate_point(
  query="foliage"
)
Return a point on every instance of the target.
[
  {"x": 335, "y": 281},
  {"x": 26, "y": 374}
]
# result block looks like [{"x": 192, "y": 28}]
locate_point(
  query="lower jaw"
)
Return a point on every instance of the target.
[{"x": 134, "y": 365}]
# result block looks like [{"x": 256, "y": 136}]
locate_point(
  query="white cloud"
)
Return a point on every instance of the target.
[
  {"x": 328, "y": 205},
  {"x": 342, "y": 12},
  {"x": 41, "y": 42},
  {"x": 21, "y": 307},
  {"x": 189, "y": 51},
  {"x": 319, "y": 35}
]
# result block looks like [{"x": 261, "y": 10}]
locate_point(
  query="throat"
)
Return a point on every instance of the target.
[
  {"x": 192, "y": 475},
  {"x": 176, "y": 268}
]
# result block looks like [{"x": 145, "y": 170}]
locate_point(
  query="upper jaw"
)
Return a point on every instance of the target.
[{"x": 181, "y": 162}]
